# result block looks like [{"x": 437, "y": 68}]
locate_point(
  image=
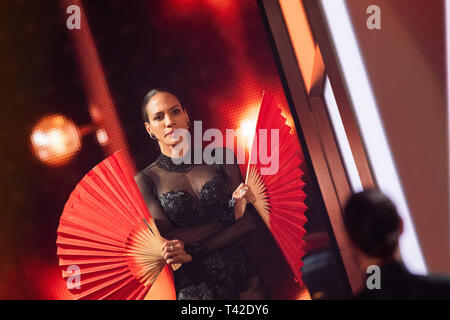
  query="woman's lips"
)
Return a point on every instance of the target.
[{"x": 170, "y": 133}]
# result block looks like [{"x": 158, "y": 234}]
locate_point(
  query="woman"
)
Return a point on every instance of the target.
[{"x": 200, "y": 209}]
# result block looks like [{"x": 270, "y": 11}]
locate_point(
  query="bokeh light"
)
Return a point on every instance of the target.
[
  {"x": 246, "y": 124},
  {"x": 55, "y": 140},
  {"x": 247, "y": 132},
  {"x": 102, "y": 136}
]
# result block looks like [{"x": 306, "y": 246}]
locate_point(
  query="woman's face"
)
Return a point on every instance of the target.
[{"x": 165, "y": 114}]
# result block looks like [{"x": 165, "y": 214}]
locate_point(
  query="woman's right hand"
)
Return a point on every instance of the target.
[
  {"x": 242, "y": 195},
  {"x": 173, "y": 252}
]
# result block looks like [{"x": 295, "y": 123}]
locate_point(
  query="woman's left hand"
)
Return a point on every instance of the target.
[
  {"x": 173, "y": 252},
  {"x": 242, "y": 195}
]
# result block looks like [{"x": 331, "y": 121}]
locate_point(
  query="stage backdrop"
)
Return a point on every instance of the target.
[{"x": 89, "y": 84}]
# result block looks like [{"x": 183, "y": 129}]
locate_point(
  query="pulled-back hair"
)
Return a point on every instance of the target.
[
  {"x": 372, "y": 222},
  {"x": 147, "y": 99}
]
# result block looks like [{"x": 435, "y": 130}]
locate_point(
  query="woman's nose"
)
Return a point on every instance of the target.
[{"x": 169, "y": 120}]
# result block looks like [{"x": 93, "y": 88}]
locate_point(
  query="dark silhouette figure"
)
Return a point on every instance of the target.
[{"x": 374, "y": 228}]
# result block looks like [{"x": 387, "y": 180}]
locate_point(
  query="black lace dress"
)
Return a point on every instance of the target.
[{"x": 191, "y": 203}]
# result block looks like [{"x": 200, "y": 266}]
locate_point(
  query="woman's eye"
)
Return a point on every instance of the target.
[
  {"x": 157, "y": 118},
  {"x": 176, "y": 111}
]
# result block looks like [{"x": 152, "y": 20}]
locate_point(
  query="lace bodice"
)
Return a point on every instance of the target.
[
  {"x": 186, "y": 210},
  {"x": 191, "y": 202}
]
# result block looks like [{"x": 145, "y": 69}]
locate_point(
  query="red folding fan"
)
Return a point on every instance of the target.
[
  {"x": 107, "y": 235},
  {"x": 278, "y": 191}
]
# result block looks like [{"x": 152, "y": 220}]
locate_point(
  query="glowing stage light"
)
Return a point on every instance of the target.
[
  {"x": 247, "y": 131},
  {"x": 55, "y": 140},
  {"x": 102, "y": 136}
]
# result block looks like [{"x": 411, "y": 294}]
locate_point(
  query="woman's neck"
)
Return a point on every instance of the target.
[
  {"x": 174, "y": 161},
  {"x": 172, "y": 151}
]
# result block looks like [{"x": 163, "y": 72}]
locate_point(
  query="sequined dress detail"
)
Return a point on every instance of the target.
[{"x": 190, "y": 195}]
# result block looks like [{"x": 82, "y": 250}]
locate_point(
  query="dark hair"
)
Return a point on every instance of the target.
[
  {"x": 147, "y": 99},
  {"x": 372, "y": 222}
]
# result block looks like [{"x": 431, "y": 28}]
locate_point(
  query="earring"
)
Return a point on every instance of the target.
[
  {"x": 153, "y": 136},
  {"x": 189, "y": 124}
]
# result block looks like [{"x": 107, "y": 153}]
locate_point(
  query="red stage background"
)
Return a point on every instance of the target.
[{"x": 215, "y": 55}]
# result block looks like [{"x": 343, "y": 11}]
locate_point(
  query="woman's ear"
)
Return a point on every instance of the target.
[{"x": 147, "y": 128}]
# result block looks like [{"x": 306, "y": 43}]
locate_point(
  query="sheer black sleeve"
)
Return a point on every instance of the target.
[
  {"x": 165, "y": 226},
  {"x": 232, "y": 233}
]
